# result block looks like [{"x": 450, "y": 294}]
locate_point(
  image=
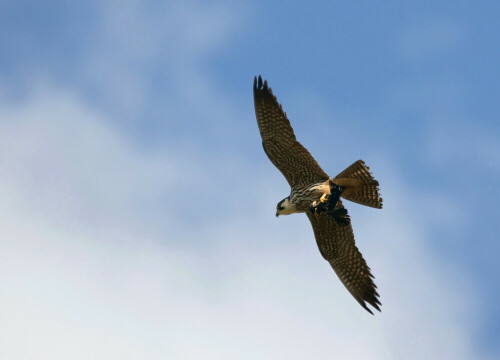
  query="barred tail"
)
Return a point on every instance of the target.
[{"x": 360, "y": 185}]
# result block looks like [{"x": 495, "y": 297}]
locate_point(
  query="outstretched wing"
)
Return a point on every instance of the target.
[
  {"x": 336, "y": 244},
  {"x": 279, "y": 142}
]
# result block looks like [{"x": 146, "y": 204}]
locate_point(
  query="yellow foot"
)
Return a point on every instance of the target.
[{"x": 324, "y": 198}]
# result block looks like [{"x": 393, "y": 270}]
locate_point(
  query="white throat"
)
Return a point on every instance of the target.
[{"x": 285, "y": 208}]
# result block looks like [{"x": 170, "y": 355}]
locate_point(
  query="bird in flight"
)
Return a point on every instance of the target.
[{"x": 314, "y": 193}]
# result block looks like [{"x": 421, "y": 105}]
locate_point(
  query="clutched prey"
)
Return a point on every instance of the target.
[{"x": 328, "y": 204}]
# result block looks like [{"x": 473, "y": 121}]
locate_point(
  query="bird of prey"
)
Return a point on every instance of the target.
[{"x": 314, "y": 193}]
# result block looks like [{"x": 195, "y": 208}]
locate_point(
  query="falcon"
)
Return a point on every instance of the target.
[{"x": 313, "y": 192}]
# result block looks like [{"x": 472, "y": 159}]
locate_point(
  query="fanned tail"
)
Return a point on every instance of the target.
[{"x": 360, "y": 185}]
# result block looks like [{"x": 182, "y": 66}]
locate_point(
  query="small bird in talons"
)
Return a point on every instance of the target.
[
  {"x": 318, "y": 196},
  {"x": 328, "y": 204}
]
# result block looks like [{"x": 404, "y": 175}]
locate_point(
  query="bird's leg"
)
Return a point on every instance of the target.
[
  {"x": 328, "y": 204},
  {"x": 324, "y": 198}
]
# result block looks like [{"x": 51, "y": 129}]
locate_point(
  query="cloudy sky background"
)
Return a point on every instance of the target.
[{"x": 137, "y": 206}]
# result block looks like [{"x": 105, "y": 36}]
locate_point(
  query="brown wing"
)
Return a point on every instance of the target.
[
  {"x": 336, "y": 244},
  {"x": 279, "y": 142}
]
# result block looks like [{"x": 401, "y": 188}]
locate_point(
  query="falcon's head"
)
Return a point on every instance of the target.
[{"x": 284, "y": 207}]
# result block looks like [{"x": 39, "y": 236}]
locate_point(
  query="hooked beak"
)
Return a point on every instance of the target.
[{"x": 277, "y": 214}]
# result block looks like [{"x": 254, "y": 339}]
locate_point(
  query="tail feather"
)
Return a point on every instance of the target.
[{"x": 360, "y": 185}]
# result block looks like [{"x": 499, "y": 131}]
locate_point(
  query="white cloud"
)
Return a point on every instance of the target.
[
  {"x": 147, "y": 53},
  {"x": 89, "y": 270}
]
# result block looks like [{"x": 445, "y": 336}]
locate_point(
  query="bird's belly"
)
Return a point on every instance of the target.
[{"x": 303, "y": 198}]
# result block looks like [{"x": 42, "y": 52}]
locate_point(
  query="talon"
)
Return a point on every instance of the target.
[{"x": 324, "y": 198}]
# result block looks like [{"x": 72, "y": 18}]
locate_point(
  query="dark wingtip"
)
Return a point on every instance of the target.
[
  {"x": 374, "y": 304},
  {"x": 261, "y": 88},
  {"x": 258, "y": 84},
  {"x": 370, "y": 299},
  {"x": 368, "y": 309}
]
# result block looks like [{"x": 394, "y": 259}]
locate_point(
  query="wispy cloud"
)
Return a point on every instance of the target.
[{"x": 150, "y": 53}]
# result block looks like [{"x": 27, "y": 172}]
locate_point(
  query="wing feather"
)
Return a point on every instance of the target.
[
  {"x": 279, "y": 141},
  {"x": 336, "y": 244}
]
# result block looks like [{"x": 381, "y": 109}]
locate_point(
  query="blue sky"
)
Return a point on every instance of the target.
[{"x": 138, "y": 205}]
